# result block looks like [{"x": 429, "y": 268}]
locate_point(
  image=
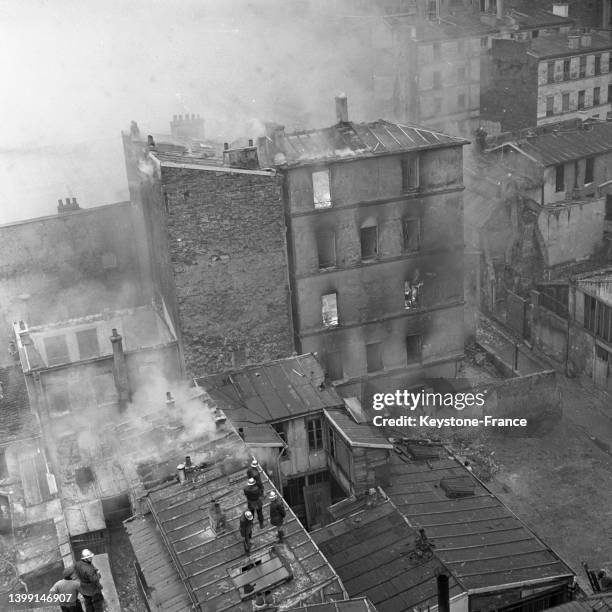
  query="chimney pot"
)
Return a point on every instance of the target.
[
  {"x": 22, "y": 325},
  {"x": 250, "y": 142},
  {"x": 180, "y": 472},
  {"x": 150, "y": 141},
  {"x": 225, "y": 146},
  {"x": 241, "y": 432},
  {"x": 342, "y": 108},
  {"x": 169, "y": 400}
]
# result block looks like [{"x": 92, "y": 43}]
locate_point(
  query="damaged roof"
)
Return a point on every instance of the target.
[
  {"x": 346, "y": 141},
  {"x": 373, "y": 552},
  {"x": 179, "y": 549},
  {"x": 476, "y": 537},
  {"x": 566, "y": 145},
  {"x": 273, "y": 391}
]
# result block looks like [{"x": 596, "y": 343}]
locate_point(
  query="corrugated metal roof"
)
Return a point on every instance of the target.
[
  {"x": 357, "y": 434},
  {"x": 568, "y": 145},
  {"x": 205, "y": 561},
  {"x": 274, "y": 391},
  {"x": 363, "y": 604},
  {"x": 476, "y": 537},
  {"x": 346, "y": 141},
  {"x": 371, "y": 551},
  {"x": 558, "y": 45}
]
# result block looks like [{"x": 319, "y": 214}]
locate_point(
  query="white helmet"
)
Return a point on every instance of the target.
[
  {"x": 254, "y": 463},
  {"x": 272, "y": 495},
  {"x": 248, "y": 515},
  {"x": 86, "y": 554},
  {"x": 251, "y": 481}
]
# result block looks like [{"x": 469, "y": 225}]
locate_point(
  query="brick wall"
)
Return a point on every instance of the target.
[{"x": 226, "y": 237}]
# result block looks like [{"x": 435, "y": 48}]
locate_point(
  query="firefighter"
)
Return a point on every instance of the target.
[
  {"x": 246, "y": 530},
  {"x": 89, "y": 577},
  {"x": 277, "y": 514},
  {"x": 253, "y": 472},
  {"x": 70, "y": 589},
  {"x": 253, "y": 496}
]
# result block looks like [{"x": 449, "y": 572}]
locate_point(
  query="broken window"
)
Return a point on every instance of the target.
[
  {"x": 315, "y": 435},
  {"x": 369, "y": 242},
  {"x": 412, "y": 234},
  {"x": 333, "y": 364},
  {"x": 413, "y": 348},
  {"x": 412, "y": 294},
  {"x": 581, "y": 95},
  {"x": 437, "y": 80},
  {"x": 559, "y": 178},
  {"x": 329, "y": 310},
  {"x": 589, "y": 169},
  {"x": 374, "y": 356},
  {"x": 321, "y": 189},
  {"x": 57, "y": 350},
  {"x": 410, "y": 172},
  {"x": 583, "y": 65},
  {"x": 87, "y": 339},
  {"x": 565, "y": 102},
  {"x": 550, "y": 106},
  {"x": 598, "y": 64},
  {"x": 326, "y": 249},
  {"x": 596, "y": 96}
]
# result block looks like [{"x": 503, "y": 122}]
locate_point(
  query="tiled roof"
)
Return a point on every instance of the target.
[
  {"x": 346, "y": 141},
  {"x": 274, "y": 391},
  {"x": 357, "y": 434},
  {"x": 563, "y": 146},
  {"x": 205, "y": 562},
  {"x": 482, "y": 543},
  {"x": 373, "y": 552},
  {"x": 555, "y": 46}
]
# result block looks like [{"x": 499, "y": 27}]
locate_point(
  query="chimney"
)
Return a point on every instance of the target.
[
  {"x": 150, "y": 141},
  {"x": 500, "y": 9},
  {"x": 180, "y": 472},
  {"x": 120, "y": 370},
  {"x": 341, "y": 108},
  {"x": 218, "y": 522},
  {"x": 561, "y": 9},
  {"x": 443, "y": 593},
  {"x": 189, "y": 126}
]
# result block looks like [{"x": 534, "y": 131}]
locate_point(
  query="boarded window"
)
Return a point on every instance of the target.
[
  {"x": 326, "y": 249},
  {"x": 369, "y": 242},
  {"x": 333, "y": 364},
  {"x": 315, "y": 435},
  {"x": 589, "y": 170},
  {"x": 410, "y": 172},
  {"x": 413, "y": 348},
  {"x": 320, "y": 189},
  {"x": 560, "y": 178},
  {"x": 374, "y": 356},
  {"x": 57, "y": 350},
  {"x": 329, "y": 309},
  {"x": 87, "y": 339},
  {"x": 412, "y": 234}
]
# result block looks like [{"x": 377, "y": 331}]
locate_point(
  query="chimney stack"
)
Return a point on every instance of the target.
[
  {"x": 341, "y": 108},
  {"x": 150, "y": 141},
  {"x": 443, "y": 593},
  {"x": 120, "y": 371},
  {"x": 169, "y": 400}
]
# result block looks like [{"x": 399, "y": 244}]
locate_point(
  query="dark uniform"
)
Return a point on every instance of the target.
[
  {"x": 246, "y": 531},
  {"x": 253, "y": 472},
  {"x": 69, "y": 588},
  {"x": 253, "y": 497},
  {"x": 91, "y": 589},
  {"x": 277, "y": 516}
]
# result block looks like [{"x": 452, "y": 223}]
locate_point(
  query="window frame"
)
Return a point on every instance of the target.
[
  {"x": 410, "y": 168},
  {"x": 367, "y": 232},
  {"x": 418, "y": 354},
  {"x": 314, "y": 432},
  {"x": 326, "y": 238},
  {"x": 589, "y": 170},
  {"x": 324, "y": 203},
  {"x": 334, "y": 320},
  {"x": 559, "y": 178}
]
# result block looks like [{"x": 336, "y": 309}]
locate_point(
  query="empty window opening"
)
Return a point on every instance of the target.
[
  {"x": 550, "y": 72},
  {"x": 559, "y": 178},
  {"x": 374, "y": 357},
  {"x": 589, "y": 170},
  {"x": 412, "y": 294},
  {"x": 369, "y": 242},
  {"x": 57, "y": 350},
  {"x": 321, "y": 189},
  {"x": 333, "y": 363},
  {"x": 326, "y": 249},
  {"x": 329, "y": 309},
  {"x": 412, "y": 234},
  {"x": 87, "y": 339},
  {"x": 581, "y": 95},
  {"x": 315, "y": 435},
  {"x": 596, "y": 96},
  {"x": 410, "y": 173},
  {"x": 413, "y": 348}
]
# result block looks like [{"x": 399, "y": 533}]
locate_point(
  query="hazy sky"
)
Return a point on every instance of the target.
[{"x": 75, "y": 72}]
